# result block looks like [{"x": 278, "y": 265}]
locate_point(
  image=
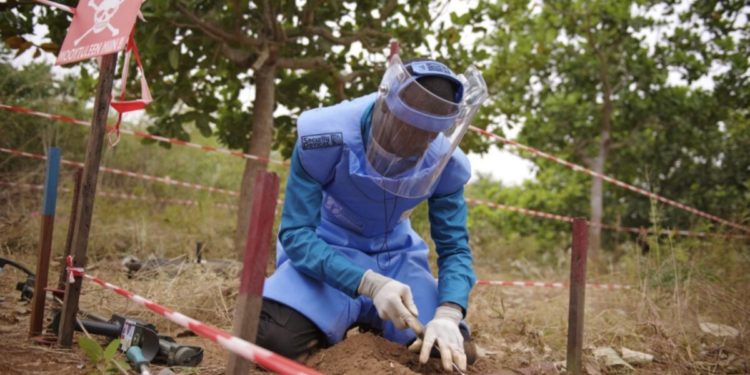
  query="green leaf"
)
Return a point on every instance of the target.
[
  {"x": 113, "y": 369},
  {"x": 174, "y": 58},
  {"x": 92, "y": 349},
  {"x": 202, "y": 123},
  {"x": 111, "y": 349}
]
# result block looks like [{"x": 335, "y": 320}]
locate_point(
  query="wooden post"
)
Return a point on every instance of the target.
[
  {"x": 71, "y": 229},
  {"x": 198, "y": 252},
  {"x": 250, "y": 298},
  {"x": 577, "y": 296},
  {"x": 45, "y": 242},
  {"x": 88, "y": 190}
]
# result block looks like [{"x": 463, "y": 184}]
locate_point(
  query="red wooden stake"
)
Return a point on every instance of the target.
[
  {"x": 259, "y": 238},
  {"x": 45, "y": 243},
  {"x": 577, "y": 295}
]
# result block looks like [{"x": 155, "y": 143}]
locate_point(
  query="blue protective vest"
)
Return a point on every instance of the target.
[
  {"x": 356, "y": 212},
  {"x": 362, "y": 227}
]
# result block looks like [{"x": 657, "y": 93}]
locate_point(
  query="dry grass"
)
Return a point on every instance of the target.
[{"x": 189, "y": 288}]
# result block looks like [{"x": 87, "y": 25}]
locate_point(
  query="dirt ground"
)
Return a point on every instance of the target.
[
  {"x": 17, "y": 353},
  {"x": 359, "y": 353},
  {"x": 517, "y": 330},
  {"x": 365, "y": 353}
]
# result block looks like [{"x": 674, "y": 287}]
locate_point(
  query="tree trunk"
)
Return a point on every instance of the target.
[
  {"x": 259, "y": 144},
  {"x": 597, "y": 165}
]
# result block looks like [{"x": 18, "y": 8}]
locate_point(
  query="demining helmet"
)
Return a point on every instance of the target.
[{"x": 422, "y": 111}]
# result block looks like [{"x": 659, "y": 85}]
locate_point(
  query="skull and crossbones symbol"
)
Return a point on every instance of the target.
[{"x": 103, "y": 13}]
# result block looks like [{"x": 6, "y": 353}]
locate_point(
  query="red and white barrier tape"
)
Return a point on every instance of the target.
[
  {"x": 140, "y": 134},
  {"x": 164, "y": 180},
  {"x": 672, "y": 232},
  {"x": 611, "y": 180},
  {"x": 543, "y": 284},
  {"x": 117, "y": 195},
  {"x": 524, "y": 211},
  {"x": 72, "y": 271},
  {"x": 569, "y": 219},
  {"x": 483, "y": 132},
  {"x": 263, "y": 357}
]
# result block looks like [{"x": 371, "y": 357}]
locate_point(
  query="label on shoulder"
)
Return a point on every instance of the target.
[{"x": 315, "y": 141}]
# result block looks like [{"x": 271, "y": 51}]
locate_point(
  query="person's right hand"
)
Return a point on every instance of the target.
[
  {"x": 443, "y": 333},
  {"x": 392, "y": 300}
]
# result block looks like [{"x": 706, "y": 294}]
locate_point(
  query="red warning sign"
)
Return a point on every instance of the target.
[{"x": 99, "y": 27}]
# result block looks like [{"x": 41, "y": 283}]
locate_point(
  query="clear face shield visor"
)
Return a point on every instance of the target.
[{"x": 414, "y": 132}]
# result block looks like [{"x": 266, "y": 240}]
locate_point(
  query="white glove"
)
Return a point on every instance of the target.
[
  {"x": 392, "y": 300},
  {"x": 443, "y": 329}
]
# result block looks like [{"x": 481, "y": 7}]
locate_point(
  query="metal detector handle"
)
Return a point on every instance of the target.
[
  {"x": 137, "y": 360},
  {"x": 108, "y": 329},
  {"x": 6, "y": 261}
]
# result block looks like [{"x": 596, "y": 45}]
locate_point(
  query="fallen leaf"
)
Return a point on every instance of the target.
[
  {"x": 719, "y": 330},
  {"x": 636, "y": 358},
  {"x": 610, "y": 358}
]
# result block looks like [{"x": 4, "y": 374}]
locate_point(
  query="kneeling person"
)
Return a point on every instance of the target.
[{"x": 346, "y": 253}]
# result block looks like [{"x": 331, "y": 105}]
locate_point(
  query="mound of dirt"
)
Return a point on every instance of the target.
[{"x": 366, "y": 353}]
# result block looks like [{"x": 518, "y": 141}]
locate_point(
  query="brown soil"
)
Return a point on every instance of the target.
[
  {"x": 18, "y": 355},
  {"x": 366, "y": 353}
]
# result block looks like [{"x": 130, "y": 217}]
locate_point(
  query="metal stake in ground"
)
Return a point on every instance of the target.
[
  {"x": 577, "y": 295},
  {"x": 88, "y": 191},
  {"x": 250, "y": 298},
  {"x": 45, "y": 243}
]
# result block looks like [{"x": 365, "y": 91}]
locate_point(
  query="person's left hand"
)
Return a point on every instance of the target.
[{"x": 443, "y": 330}]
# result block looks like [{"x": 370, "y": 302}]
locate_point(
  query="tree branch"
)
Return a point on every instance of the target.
[
  {"x": 307, "y": 18},
  {"x": 267, "y": 18},
  {"x": 308, "y": 63},
  {"x": 371, "y": 30},
  {"x": 327, "y": 34},
  {"x": 319, "y": 63},
  {"x": 213, "y": 31},
  {"x": 237, "y": 56},
  {"x": 387, "y": 10}
]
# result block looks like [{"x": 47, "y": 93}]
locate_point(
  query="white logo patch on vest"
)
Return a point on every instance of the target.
[{"x": 315, "y": 141}]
